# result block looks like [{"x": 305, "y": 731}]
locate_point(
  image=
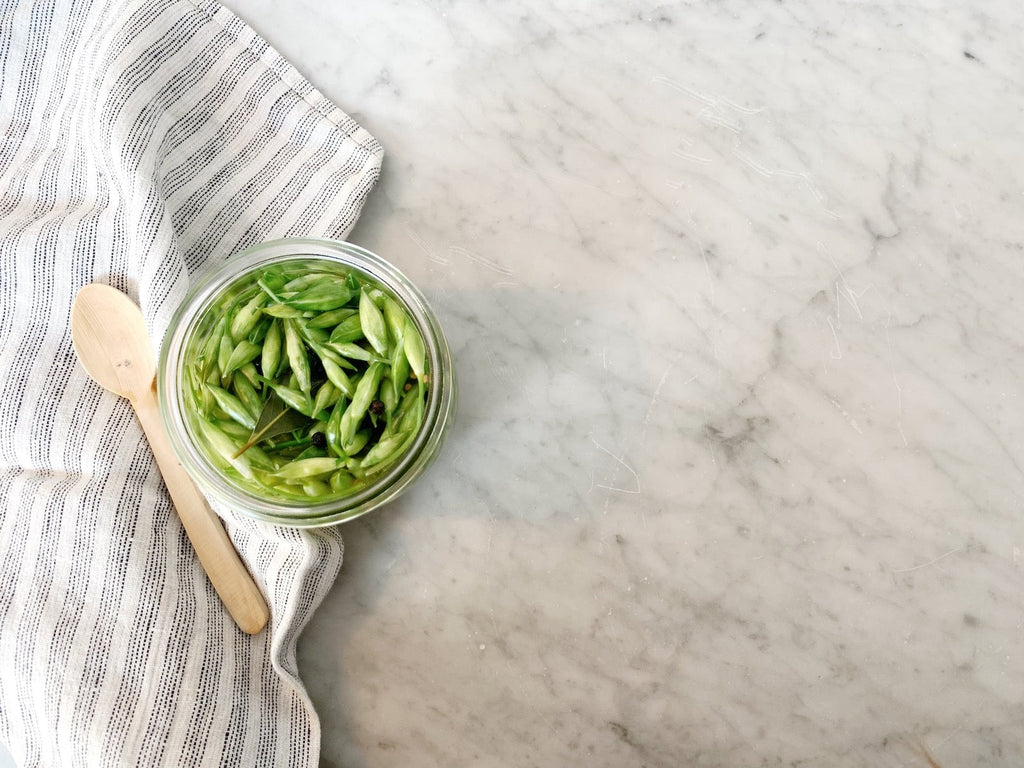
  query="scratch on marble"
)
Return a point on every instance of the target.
[
  {"x": 476, "y": 258},
  {"x": 619, "y": 459},
  {"x": 895, "y": 381},
  {"x": 803, "y": 176},
  {"x": 899, "y": 409},
  {"x": 849, "y": 419},
  {"x": 692, "y": 158},
  {"x": 709, "y": 100},
  {"x": 423, "y": 247},
  {"x": 930, "y": 562},
  {"x": 657, "y": 390},
  {"x": 711, "y": 117},
  {"x": 838, "y": 354},
  {"x": 853, "y": 297},
  {"x": 848, "y": 293}
]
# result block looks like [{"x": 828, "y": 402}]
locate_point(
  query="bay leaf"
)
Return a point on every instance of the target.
[{"x": 275, "y": 419}]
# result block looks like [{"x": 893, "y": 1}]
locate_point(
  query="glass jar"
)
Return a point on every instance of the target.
[{"x": 193, "y": 319}]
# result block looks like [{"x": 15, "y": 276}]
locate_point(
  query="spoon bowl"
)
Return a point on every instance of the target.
[{"x": 109, "y": 335}]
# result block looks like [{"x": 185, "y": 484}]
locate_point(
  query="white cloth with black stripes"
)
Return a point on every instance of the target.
[{"x": 141, "y": 143}]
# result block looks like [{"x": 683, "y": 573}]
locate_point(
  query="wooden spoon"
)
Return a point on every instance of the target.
[{"x": 109, "y": 335}]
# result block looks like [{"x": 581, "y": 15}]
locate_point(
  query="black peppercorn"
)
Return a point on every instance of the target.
[
  {"x": 318, "y": 439},
  {"x": 377, "y": 407}
]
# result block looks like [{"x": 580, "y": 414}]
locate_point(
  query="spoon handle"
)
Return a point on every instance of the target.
[{"x": 217, "y": 554}]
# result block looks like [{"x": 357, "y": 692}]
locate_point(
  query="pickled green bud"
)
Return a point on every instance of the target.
[
  {"x": 306, "y": 468},
  {"x": 271, "y": 358},
  {"x": 258, "y": 458},
  {"x": 245, "y": 319},
  {"x": 249, "y": 372},
  {"x": 326, "y": 396},
  {"x": 311, "y": 335},
  {"x": 315, "y": 488},
  {"x": 297, "y": 357},
  {"x": 349, "y": 329},
  {"x": 302, "y": 282},
  {"x": 224, "y": 353},
  {"x": 333, "y": 430},
  {"x": 341, "y": 481},
  {"x": 292, "y": 397},
  {"x": 384, "y": 449},
  {"x": 352, "y": 351},
  {"x": 410, "y": 417},
  {"x": 325, "y": 295},
  {"x": 388, "y": 396},
  {"x": 247, "y": 394},
  {"x": 404, "y": 406},
  {"x": 324, "y": 352},
  {"x": 282, "y": 311},
  {"x": 359, "y": 441},
  {"x": 259, "y": 332},
  {"x": 414, "y": 351},
  {"x": 270, "y": 284},
  {"x": 338, "y": 377},
  {"x": 374, "y": 327},
  {"x": 312, "y": 452},
  {"x": 380, "y": 466},
  {"x": 208, "y": 357},
  {"x": 399, "y": 372},
  {"x": 395, "y": 316},
  {"x": 205, "y": 401},
  {"x": 195, "y": 380},
  {"x": 243, "y": 352},
  {"x": 225, "y": 448},
  {"x": 366, "y": 389},
  {"x": 232, "y": 406},
  {"x": 332, "y": 318},
  {"x": 231, "y": 428}
]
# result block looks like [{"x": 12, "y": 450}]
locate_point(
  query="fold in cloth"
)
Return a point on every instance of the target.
[{"x": 140, "y": 144}]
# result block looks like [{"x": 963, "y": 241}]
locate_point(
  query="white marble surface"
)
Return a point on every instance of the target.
[{"x": 736, "y": 295}]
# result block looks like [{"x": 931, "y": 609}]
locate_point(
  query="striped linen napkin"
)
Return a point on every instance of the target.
[{"x": 140, "y": 144}]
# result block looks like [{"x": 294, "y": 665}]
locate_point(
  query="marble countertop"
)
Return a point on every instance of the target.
[{"x": 735, "y": 296}]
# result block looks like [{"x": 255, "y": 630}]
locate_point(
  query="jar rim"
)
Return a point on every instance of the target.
[{"x": 209, "y": 288}]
